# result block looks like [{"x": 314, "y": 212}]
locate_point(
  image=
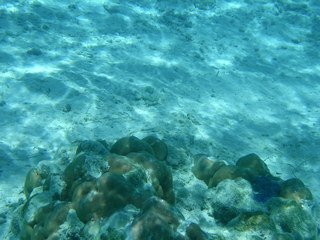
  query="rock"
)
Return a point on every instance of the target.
[
  {"x": 157, "y": 221},
  {"x": 115, "y": 227},
  {"x": 120, "y": 164},
  {"x": 158, "y": 172},
  {"x": 110, "y": 193},
  {"x": 130, "y": 144},
  {"x": 253, "y": 221},
  {"x": 194, "y": 232},
  {"x": 296, "y": 190},
  {"x": 159, "y": 147},
  {"x": 75, "y": 170},
  {"x": 204, "y": 168},
  {"x": 254, "y": 165},
  {"x": 231, "y": 198},
  {"x": 81, "y": 190},
  {"x": 33, "y": 180},
  {"x": 85, "y": 166},
  {"x": 70, "y": 229},
  {"x": 46, "y": 221},
  {"x": 129, "y": 194},
  {"x": 135, "y": 172},
  {"x": 223, "y": 173},
  {"x": 291, "y": 218},
  {"x": 56, "y": 218},
  {"x": 91, "y": 207},
  {"x": 116, "y": 189},
  {"x": 97, "y": 147},
  {"x": 34, "y": 203}
]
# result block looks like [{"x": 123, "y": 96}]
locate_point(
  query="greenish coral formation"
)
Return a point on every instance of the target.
[
  {"x": 295, "y": 189},
  {"x": 127, "y": 192},
  {"x": 234, "y": 205},
  {"x": 33, "y": 179},
  {"x": 253, "y": 164},
  {"x": 251, "y": 168},
  {"x": 204, "y": 168},
  {"x": 97, "y": 184},
  {"x": 157, "y": 220},
  {"x": 159, "y": 148},
  {"x": 159, "y": 174},
  {"x": 130, "y": 144},
  {"x": 292, "y": 218}
]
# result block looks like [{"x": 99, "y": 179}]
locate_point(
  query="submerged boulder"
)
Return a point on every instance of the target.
[
  {"x": 128, "y": 193},
  {"x": 158, "y": 146},
  {"x": 204, "y": 168},
  {"x": 34, "y": 178},
  {"x": 253, "y": 165},
  {"x": 130, "y": 144},
  {"x": 231, "y": 198},
  {"x": 295, "y": 189},
  {"x": 292, "y": 218},
  {"x": 159, "y": 174},
  {"x": 157, "y": 221}
]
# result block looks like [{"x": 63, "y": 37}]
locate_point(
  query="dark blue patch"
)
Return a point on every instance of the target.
[{"x": 265, "y": 189}]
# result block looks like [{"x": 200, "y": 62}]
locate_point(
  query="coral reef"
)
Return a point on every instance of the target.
[{"x": 127, "y": 191}]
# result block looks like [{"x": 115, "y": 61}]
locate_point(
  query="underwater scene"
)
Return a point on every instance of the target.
[{"x": 159, "y": 119}]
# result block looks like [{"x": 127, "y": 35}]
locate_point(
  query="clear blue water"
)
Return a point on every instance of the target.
[{"x": 222, "y": 78}]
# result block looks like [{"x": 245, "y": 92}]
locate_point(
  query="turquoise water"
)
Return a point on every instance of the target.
[{"x": 221, "y": 78}]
